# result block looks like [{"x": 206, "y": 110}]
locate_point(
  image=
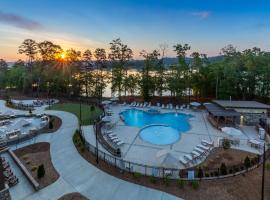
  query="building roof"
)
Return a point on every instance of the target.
[
  {"x": 241, "y": 104},
  {"x": 219, "y": 111}
]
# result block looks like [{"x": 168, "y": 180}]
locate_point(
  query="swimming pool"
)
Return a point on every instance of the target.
[
  {"x": 159, "y": 134},
  {"x": 140, "y": 118}
]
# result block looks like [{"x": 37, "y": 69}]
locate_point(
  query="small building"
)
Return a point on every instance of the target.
[
  {"x": 220, "y": 117},
  {"x": 251, "y": 111}
]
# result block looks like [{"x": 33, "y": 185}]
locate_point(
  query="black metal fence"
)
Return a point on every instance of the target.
[{"x": 161, "y": 172}]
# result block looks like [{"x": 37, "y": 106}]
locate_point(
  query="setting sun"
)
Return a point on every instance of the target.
[{"x": 63, "y": 55}]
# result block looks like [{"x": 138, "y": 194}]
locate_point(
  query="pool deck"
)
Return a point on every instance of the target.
[
  {"x": 76, "y": 174},
  {"x": 138, "y": 151}
]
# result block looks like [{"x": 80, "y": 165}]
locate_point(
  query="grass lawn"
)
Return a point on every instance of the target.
[{"x": 88, "y": 115}]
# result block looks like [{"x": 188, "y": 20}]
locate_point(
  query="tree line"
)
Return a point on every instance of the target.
[{"x": 50, "y": 69}]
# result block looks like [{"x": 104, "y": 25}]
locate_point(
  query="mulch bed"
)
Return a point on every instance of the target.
[
  {"x": 242, "y": 187},
  {"x": 56, "y": 121},
  {"x": 73, "y": 196},
  {"x": 229, "y": 157},
  {"x": 34, "y": 155}
]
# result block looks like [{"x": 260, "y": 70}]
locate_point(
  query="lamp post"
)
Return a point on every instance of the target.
[
  {"x": 78, "y": 78},
  {"x": 263, "y": 171},
  {"x": 34, "y": 85},
  {"x": 96, "y": 130}
]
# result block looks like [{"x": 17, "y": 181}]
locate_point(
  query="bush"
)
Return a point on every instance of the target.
[
  {"x": 230, "y": 171},
  {"x": 40, "y": 171},
  {"x": 267, "y": 166},
  {"x": 195, "y": 185},
  {"x": 226, "y": 144},
  {"x": 34, "y": 168},
  {"x": 181, "y": 183},
  {"x": 247, "y": 162},
  {"x": 200, "y": 173},
  {"x": 236, "y": 169},
  {"x": 92, "y": 108},
  {"x": 50, "y": 124},
  {"x": 216, "y": 173},
  {"x": 137, "y": 175},
  {"x": 206, "y": 175},
  {"x": 166, "y": 181},
  {"x": 153, "y": 179},
  {"x": 223, "y": 169}
]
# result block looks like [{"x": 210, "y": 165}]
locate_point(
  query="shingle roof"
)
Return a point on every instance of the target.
[
  {"x": 241, "y": 104},
  {"x": 220, "y": 112}
]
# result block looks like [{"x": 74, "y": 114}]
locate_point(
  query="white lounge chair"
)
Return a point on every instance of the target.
[
  {"x": 163, "y": 106},
  {"x": 176, "y": 107},
  {"x": 168, "y": 106},
  {"x": 188, "y": 157},
  {"x": 206, "y": 148},
  {"x": 207, "y": 143},
  {"x": 113, "y": 137},
  {"x": 199, "y": 150},
  {"x": 149, "y": 105},
  {"x": 120, "y": 143},
  {"x": 116, "y": 140},
  {"x": 183, "y": 161},
  {"x": 158, "y": 104},
  {"x": 196, "y": 154}
]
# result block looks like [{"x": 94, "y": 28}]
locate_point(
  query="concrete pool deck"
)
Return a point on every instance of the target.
[
  {"x": 138, "y": 151},
  {"x": 76, "y": 174}
]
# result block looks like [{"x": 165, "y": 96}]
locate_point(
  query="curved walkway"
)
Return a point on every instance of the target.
[{"x": 77, "y": 175}]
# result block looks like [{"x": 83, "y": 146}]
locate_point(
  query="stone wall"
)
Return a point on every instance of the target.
[
  {"x": 252, "y": 118},
  {"x": 4, "y": 194}
]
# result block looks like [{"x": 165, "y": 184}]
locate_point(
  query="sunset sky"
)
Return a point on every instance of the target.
[{"x": 206, "y": 25}]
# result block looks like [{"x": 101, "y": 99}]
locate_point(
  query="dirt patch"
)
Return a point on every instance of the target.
[
  {"x": 34, "y": 155},
  {"x": 73, "y": 196},
  {"x": 242, "y": 187},
  {"x": 56, "y": 124},
  {"x": 229, "y": 157}
]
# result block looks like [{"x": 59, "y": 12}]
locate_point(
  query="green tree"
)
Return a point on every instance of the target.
[{"x": 120, "y": 54}]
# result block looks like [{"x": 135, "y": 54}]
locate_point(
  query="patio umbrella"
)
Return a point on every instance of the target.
[
  {"x": 196, "y": 104},
  {"x": 232, "y": 131},
  {"x": 166, "y": 159}
]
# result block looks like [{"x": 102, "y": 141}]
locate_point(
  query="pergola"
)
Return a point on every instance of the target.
[{"x": 218, "y": 114}]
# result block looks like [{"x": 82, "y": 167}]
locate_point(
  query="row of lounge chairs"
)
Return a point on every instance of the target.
[
  {"x": 163, "y": 106},
  {"x": 113, "y": 138},
  {"x": 10, "y": 178},
  {"x": 141, "y": 105},
  {"x": 198, "y": 152}
]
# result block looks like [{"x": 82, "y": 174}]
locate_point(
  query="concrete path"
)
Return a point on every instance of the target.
[{"x": 77, "y": 175}]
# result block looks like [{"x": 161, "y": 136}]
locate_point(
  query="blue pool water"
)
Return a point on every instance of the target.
[
  {"x": 139, "y": 118},
  {"x": 159, "y": 134}
]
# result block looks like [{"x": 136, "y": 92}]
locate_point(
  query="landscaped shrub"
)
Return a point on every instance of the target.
[
  {"x": 51, "y": 123},
  {"x": 195, "y": 184},
  {"x": 166, "y": 181},
  {"x": 137, "y": 175},
  {"x": 226, "y": 144},
  {"x": 34, "y": 168},
  {"x": 230, "y": 171},
  {"x": 40, "y": 171},
  {"x": 153, "y": 179},
  {"x": 206, "y": 175},
  {"x": 181, "y": 183},
  {"x": 267, "y": 166},
  {"x": 242, "y": 168},
  {"x": 200, "y": 173},
  {"x": 236, "y": 169},
  {"x": 223, "y": 169},
  {"x": 211, "y": 174},
  {"x": 216, "y": 173},
  {"x": 92, "y": 108},
  {"x": 247, "y": 162}
]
